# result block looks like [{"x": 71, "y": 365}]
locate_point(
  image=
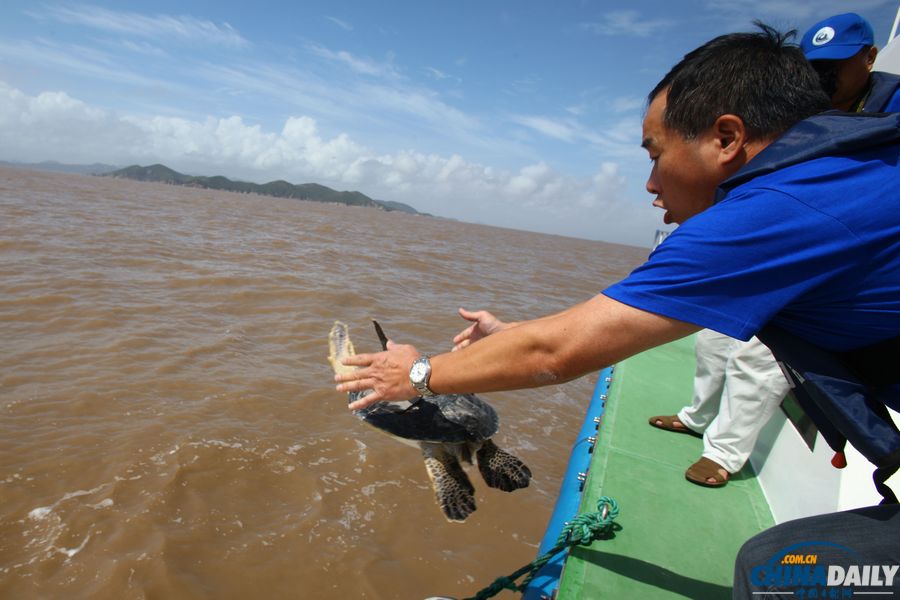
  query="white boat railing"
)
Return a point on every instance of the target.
[
  {"x": 659, "y": 237},
  {"x": 888, "y": 59}
]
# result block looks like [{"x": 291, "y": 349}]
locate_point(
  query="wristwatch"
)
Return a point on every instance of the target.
[{"x": 419, "y": 374}]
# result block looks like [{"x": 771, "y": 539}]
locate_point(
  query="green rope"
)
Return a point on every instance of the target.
[{"x": 582, "y": 530}]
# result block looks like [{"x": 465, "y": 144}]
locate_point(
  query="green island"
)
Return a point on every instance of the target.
[{"x": 312, "y": 192}]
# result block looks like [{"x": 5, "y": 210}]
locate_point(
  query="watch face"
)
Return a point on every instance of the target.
[{"x": 417, "y": 373}]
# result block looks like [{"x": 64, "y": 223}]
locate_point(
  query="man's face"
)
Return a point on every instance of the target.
[
  {"x": 685, "y": 173},
  {"x": 845, "y": 80}
]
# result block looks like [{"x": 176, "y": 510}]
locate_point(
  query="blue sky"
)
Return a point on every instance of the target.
[{"x": 518, "y": 114}]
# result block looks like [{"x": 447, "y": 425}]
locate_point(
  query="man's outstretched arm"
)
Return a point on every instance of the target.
[{"x": 549, "y": 350}]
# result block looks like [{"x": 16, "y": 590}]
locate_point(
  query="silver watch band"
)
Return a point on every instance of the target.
[{"x": 420, "y": 374}]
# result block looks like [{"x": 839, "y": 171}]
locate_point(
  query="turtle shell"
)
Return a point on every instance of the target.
[{"x": 454, "y": 418}]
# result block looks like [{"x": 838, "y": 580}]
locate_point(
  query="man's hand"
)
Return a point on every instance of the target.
[
  {"x": 385, "y": 372},
  {"x": 484, "y": 324}
]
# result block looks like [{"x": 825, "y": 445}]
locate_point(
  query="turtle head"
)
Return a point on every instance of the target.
[{"x": 340, "y": 347}]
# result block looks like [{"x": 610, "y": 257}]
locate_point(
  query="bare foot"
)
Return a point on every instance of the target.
[{"x": 675, "y": 424}]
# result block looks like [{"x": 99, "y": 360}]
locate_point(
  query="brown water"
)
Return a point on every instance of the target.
[{"x": 168, "y": 424}]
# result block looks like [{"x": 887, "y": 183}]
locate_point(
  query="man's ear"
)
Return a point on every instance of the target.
[
  {"x": 870, "y": 57},
  {"x": 731, "y": 135}
]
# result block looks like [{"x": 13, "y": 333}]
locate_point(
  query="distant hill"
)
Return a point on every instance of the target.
[
  {"x": 281, "y": 189},
  {"x": 50, "y": 165}
]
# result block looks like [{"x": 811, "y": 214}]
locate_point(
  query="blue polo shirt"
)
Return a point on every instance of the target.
[{"x": 806, "y": 236}]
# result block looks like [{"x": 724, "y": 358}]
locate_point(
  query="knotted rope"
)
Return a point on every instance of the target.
[{"x": 582, "y": 530}]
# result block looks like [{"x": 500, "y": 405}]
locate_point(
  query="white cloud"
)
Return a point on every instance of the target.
[
  {"x": 769, "y": 10},
  {"x": 340, "y": 23},
  {"x": 549, "y": 127},
  {"x": 141, "y": 48},
  {"x": 628, "y": 104},
  {"x": 362, "y": 66},
  {"x": 524, "y": 86},
  {"x": 364, "y": 94},
  {"x": 626, "y": 23},
  {"x": 30, "y": 126},
  {"x": 420, "y": 103},
  {"x": 76, "y": 59},
  {"x": 438, "y": 74},
  {"x": 183, "y": 28},
  {"x": 56, "y": 126},
  {"x": 619, "y": 139}
]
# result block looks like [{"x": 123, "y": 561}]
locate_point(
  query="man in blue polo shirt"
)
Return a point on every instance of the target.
[
  {"x": 790, "y": 229},
  {"x": 842, "y": 51},
  {"x": 741, "y": 376},
  {"x": 787, "y": 217}
]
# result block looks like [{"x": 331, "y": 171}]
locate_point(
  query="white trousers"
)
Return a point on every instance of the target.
[{"x": 737, "y": 387}]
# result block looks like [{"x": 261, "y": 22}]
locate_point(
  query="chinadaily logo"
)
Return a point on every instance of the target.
[
  {"x": 823, "y": 36},
  {"x": 822, "y": 570}
]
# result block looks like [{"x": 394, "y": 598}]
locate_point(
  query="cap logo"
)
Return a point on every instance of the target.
[{"x": 823, "y": 36}]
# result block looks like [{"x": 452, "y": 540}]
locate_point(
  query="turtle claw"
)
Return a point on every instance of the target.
[
  {"x": 453, "y": 491},
  {"x": 500, "y": 469},
  {"x": 380, "y": 333}
]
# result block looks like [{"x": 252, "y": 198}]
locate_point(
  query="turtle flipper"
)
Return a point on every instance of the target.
[
  {"x": 501, "y": 469},
  {"x": 452, "y": 488}
]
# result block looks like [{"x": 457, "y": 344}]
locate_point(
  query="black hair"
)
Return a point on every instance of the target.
[{"x": 757, "y": 76}]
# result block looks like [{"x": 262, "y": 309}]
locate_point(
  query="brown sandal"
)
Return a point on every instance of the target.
[
  {"x": 703, "y": 470},
  {"x": 668, "y": 423}
]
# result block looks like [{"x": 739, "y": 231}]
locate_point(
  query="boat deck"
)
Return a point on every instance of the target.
[{"x": 677, "y": 539}]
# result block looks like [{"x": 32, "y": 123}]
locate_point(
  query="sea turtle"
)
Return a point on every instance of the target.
[{"x": 449, "y": 428}]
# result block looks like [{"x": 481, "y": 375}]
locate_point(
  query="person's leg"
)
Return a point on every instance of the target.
[
  {"x": 754, "y": 387},
  {"x": 712, "y": 350},
  {"x": 839, "y": 554}
]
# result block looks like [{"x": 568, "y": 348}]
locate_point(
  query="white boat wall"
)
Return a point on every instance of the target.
[{"x": 888, "y": 59}]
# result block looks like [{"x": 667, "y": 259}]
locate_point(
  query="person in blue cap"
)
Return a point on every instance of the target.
[{"x": 842, "y": 51}]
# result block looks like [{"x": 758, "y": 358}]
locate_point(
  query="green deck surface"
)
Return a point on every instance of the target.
[{"x": 677, "y": 539}]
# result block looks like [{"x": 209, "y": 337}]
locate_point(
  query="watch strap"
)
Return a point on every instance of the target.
[{"x": 422, "y": 386}]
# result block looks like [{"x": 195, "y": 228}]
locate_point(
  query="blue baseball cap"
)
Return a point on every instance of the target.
[{"x": 837, "y": 37}]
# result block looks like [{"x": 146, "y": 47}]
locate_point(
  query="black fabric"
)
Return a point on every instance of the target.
[
  {"x": 845, "y": 399},
  {"x": 831, "y": 133},
  {"x": 884, "y": 86},
  {"x": 877, "y": 364}
]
